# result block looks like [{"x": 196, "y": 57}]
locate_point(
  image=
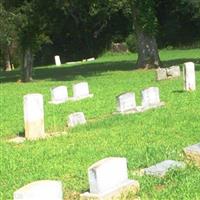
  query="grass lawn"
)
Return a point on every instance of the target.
[{"x": 144, "y": 138}]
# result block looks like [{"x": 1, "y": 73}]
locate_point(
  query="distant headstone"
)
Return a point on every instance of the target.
[
  {"x": 34, "y": 116},
  {"x": 173, "y": 71},
  {"x": 126, "y": 102},
  {"x": 193, "y": 153},
  {"x": 59, "y": 95},
  {"x": 81, "y": 91},
  {"x": 162, "y": 168},
  {"x": 151, "y": 98},
  {"x": 75, "y": 119},
  {"x": 40, "y": 190},
  {"x": 90, "y": 59},
  {"x": 189, "y": 76},
  {"x": 57, "y": 60},
  {"x": 161, "y": 74},
  {"x": 108, "y": 178}
]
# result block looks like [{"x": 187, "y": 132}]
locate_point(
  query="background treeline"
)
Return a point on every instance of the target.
[{"x": 77, "y": 29}]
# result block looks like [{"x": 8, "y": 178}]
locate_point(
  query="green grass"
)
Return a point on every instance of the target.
[{"x": 144, "y": 139}]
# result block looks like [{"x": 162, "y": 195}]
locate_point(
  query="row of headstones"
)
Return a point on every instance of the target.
[
  {"x": 174, "y": 71},
  {"x": 108, "y": 179},
  {"x": 58, "y": 61}
]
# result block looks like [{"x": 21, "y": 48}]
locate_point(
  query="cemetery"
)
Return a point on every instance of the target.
[{"x": 99, "y": 100}]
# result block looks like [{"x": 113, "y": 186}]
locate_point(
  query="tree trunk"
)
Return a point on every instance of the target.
[
  {"x": 148, "y": 56},
  {"x": 27, "y": 65},
  {"x": 7, "y": 60}
]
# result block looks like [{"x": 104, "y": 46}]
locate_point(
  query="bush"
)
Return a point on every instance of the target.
[{"x": 131, "y": 43}]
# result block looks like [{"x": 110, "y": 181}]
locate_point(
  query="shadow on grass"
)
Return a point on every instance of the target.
[{"x": 66, "y": 73}]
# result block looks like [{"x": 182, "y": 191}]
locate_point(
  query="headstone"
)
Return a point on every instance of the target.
[
  {"x": 81, "y": 91},
  {"x": 108, "y": 178},
  {"x": 59, "y": 95},
  {"x": 40, "y": 190},
  {"x": 189, "y": 76},
  {"x": 34, "y": 116},
  {"x": 90, "y": 59},
  {"x": 57, "y": 60},
  {"x": 160, "y": 169},
  {"x": 151, "y": 98},
  {"x": 173, "y": 71},
  {"x": 126, "y": 102},
  {"x": 161, "y": 74},
  {"x": 75, "y": 119},
  {"x": 17, "y": 140},
  {"x": 193, "y": 153}
]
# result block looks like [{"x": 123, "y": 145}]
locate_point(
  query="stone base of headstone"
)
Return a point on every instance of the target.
[
  {"x": 17, "y": 140},
  {"x": 81, "y": 97},
  {"x": 56, "y": 102},
  {"x": 193, "y": 153},
  {"x": 160, "y": 169},
  {"x": 129, "y": 187},
  {"x": 144, "y": 108}
]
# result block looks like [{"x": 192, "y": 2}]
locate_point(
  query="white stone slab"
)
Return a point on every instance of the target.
[
  {"x": 90, "y": 59},
  {"x": 75, "y": 119},
  {"x": 40, "y": 190},
  {"x": 161, "y": 74},
  {"x": 173, "y": 71},
  {"x": 126, "y": 102},
  {"x": 189, "y": 76},
  {"x": 57, "y": 60},
  {"x": 17, "y": 140},
  {"x": 59, "y": 95},
  {"x": 34, "y": 116},
  {"x": 162, "y": 168},
  {"x": 193, "y": 153},
  {"x": 81, "y": 91}
]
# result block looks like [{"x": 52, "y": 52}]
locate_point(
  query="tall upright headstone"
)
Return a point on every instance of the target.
[
  {"x": 40, "y": 190},
  {"x": 189, "y": 76},
  {"x": 57, "y": 60},
  {"x": 109, "y": 178},
  {"x": 34, "y": 116},
  {"x": 59, "y": 95}
]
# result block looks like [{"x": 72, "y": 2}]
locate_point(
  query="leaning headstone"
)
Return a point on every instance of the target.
[
  {"x": 40, "y": 190},
  {"x": 34, "y": 116},
  {"x": 75, "y": 119},
  {"x": 59, "y": 95},
  {"x": 189, "y": 76},
  {"x": 193, "y": 153},
  {"x": 108, "y": 179},
  {"x": 57, "y": 60},
  {"x": 160, "y": 169},
  {"x": 151, "y": 98},
  {"x": 173, "y": 71},
  {"x": 126, "y": 102},
  {"x": 161, "y": 74},
  {"x": 81, "y": 91}
]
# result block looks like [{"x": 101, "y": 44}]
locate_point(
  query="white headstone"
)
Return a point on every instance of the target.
[
  {"x": 40, "y": 190},
  {"x": 59, "y": 94},
  {"x": 150, "y": 97},
  {"x": 81, "y": 91},
  {"x": 90, "y": 59},
  {"x": 75, "y": 119},
  {"x": 174, "y": 71},
  {"x": 161, "y": 74},
  {"x": 57, "y": 60},
  {"x": 107, "y": 177},
  {"x": 126, "y": 102},
  {"x": 34, "y": 116},
  {"x": 189, "y": 76}
]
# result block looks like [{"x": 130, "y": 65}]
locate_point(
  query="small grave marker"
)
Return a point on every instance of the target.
[
  {"x": 189, "y": 76},
  {"x": 34, "y": 116},
  {"x": 173, "y": 71},
  {"x": 57, "y": 60},
  {"x": 75, "y": 119},
  {"x": 108, "y": 178},
  {"x": 59, "y": 95},
  {"x": 40, "y": 190},
  {"x": 161, "y": 74}
]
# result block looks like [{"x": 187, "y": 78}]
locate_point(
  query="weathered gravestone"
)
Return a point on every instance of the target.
[
  {"x": 189, "y": 76},
  {"x": 59, "y": 95},
  {"x": 108, "y": 179},
  {"x": 161, "y": 74},
  {"x": 160, "y": 169},
  {"x": 34, "y": 116},
  {"x": 126, "y": 103},
  {"x": 193, "y": 153},
  {"x": 40, "y": 190},
  {"x": 57, "y": 60},
  {"x": 81, "y": 91},
  {"x": 75, "y": 119},
  {"x": 151, "y": 98},
  {"x": 173, "y": 71}
]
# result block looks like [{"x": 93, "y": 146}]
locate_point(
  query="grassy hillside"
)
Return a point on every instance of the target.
[{"x": 144, "y": 138}]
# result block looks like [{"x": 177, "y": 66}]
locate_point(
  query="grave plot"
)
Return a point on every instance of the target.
[
  {"x": 75, "y": 119},
  {"x": 108, "y": 179},
  {"x": 59, "y": 95}
]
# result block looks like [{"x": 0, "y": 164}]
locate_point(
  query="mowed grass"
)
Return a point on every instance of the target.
[{"x": 144, "y": 138}]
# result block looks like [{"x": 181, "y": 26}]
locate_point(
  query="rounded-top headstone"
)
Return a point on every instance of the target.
[
  {"x": 59, "y": 94},
  {"x": 80, "y": 90}
]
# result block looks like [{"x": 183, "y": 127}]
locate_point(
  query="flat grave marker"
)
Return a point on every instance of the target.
[{"x": 75, "y": 119}]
